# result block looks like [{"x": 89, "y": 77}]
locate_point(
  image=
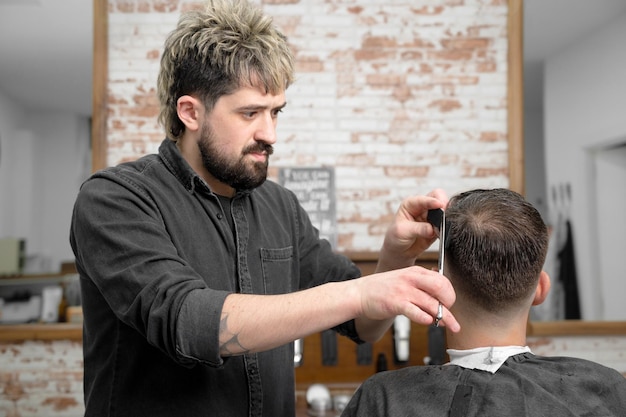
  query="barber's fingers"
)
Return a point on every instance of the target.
[
  {"x": 427, "y": 315},
  {"x": 432, "y": 296},
  {"x": 440, "y": 195},
  {"x": 432, "y": 283},
  {"x": 416, "y": 207}
]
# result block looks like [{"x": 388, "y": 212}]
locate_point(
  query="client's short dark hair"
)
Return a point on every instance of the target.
[{"x": 496, "y": 246}]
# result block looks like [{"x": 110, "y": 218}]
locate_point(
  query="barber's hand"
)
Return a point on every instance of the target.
[
  {"x": 410, "y": 234},
  {"x": 414, "y": 292}
]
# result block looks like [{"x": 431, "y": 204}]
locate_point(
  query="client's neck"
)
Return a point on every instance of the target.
[{"x": 485, "y": 330}]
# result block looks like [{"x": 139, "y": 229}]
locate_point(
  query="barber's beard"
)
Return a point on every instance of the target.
[{"x": 240, "y": 174}]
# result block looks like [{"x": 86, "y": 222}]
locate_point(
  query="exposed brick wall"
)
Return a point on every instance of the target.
[
  {"x": 41, "y": 379},
  {"x": 399, "y": 96},
  {"x": 45, "y": 378}
]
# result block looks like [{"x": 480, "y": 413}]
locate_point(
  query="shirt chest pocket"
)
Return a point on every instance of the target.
[{"x": 277, "y": 266}]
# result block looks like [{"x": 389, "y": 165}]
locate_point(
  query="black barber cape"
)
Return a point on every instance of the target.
[{"x": 525, "y": 385}]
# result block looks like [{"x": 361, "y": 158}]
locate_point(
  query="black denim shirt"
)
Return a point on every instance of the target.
[{"x": 157, "y": 256}]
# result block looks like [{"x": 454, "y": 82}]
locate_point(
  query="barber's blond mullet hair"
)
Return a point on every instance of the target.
[{"x": 213, "y": 52}]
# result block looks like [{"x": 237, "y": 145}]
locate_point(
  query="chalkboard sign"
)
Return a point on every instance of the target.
[{"x": 315, "y": 188}]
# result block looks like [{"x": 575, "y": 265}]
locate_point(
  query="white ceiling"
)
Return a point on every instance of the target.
[
  {"x": 551, "y": 26},
  {"x": 46, "y": 46},
  {"x": 46, "y": 53}
]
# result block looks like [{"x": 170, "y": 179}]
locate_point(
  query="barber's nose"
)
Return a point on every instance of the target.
[{"x": 266, "y": 130}]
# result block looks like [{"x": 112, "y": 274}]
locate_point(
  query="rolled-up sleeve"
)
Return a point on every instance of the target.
[{"x": 197, "y": 328}]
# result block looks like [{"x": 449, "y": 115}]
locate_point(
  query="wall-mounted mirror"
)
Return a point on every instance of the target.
[
  {"x": 573, "y": 118},
  {"x": 43, "y": 143},
  {"x": 540, "y": 29},
  {"x": 46, "y": 50}
]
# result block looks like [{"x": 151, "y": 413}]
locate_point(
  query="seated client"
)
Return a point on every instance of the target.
[{"x": 495, "y": 247}]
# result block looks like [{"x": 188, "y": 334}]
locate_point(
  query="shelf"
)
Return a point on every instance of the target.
[
  {"x": 54, "y": 331},
  {"x": 35, "y": 279}
]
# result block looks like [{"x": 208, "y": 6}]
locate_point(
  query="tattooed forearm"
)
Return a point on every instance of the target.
[{"x": 229, "y": 342}]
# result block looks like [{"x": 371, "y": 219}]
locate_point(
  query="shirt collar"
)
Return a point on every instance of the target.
[
  {"x": 488, "y": 359},
  {"x": 179, "y": 167}
]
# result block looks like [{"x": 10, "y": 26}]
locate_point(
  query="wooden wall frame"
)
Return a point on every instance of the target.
[
  {"x": 100, "y": 74},
  {"x": 515, "y": 96}
]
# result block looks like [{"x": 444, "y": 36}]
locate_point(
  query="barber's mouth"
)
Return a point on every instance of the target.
[
  {"x": 259, "y": 156},
  {"x": 261, "y": 153}
]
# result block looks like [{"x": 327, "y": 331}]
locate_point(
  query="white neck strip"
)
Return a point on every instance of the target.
[{"x": 488, "y": 359}]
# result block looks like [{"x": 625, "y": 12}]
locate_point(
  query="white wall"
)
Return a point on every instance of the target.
[
  {"x": 585, "y": 110},
  {"x": 534, "y": 161},
  {"x": 10, "y": 120},
  {"x": 45, "y": 156},
  {"x": 610, "y": 185}
]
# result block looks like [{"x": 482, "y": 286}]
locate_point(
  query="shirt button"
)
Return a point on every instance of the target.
[{"x": 219, "y": 216}]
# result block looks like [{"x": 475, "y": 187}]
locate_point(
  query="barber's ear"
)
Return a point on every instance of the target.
[
  {"x": 189, "y": 110},
  {"x": 543, "y": 288}
]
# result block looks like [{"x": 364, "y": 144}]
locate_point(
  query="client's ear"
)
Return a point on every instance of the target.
[{"x": 543, "y": 288}]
